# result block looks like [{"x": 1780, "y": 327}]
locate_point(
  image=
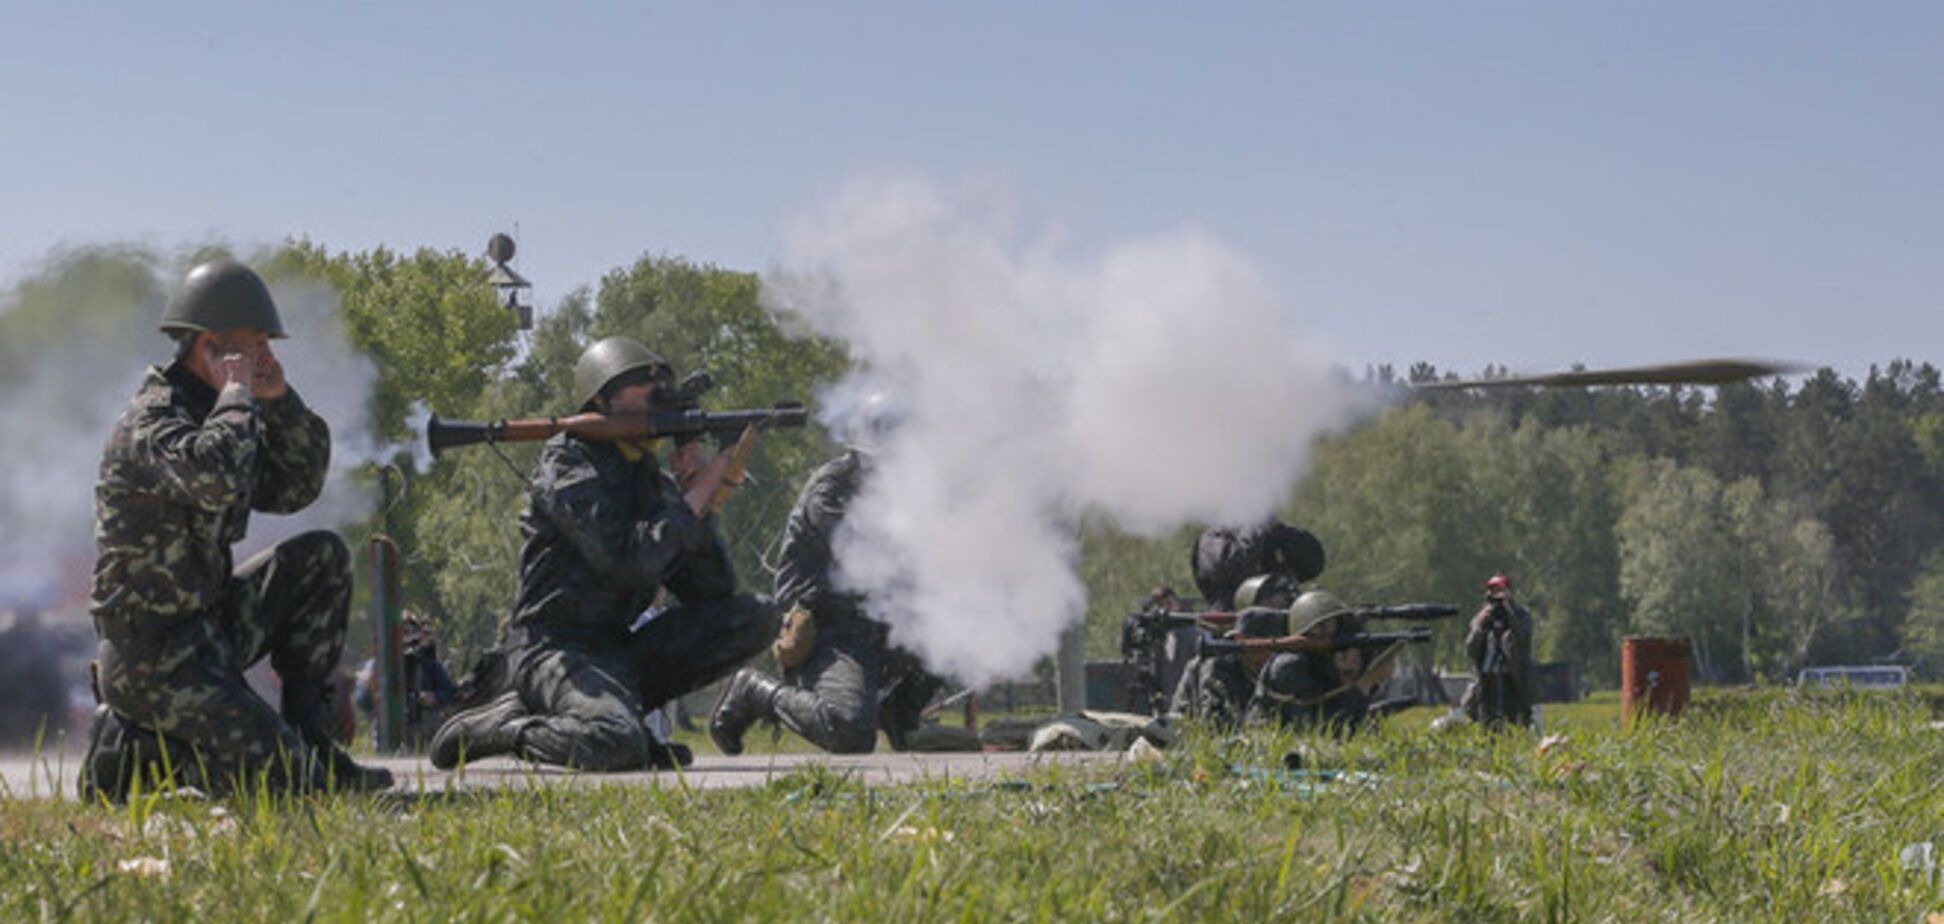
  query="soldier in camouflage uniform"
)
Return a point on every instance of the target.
[
  {"x": 216, "y": 434},
  {"x": 845, "y": 680},
  {"x": 607, "y": 531},
  {"x": 1219, "y": 688}
]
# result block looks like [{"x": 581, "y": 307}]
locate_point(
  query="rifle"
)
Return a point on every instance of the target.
[
  {"x": 661, "y": 422},
  {"x": 1315, "y": 643},
  {"x": 1164, "y": 620},
  {"x": 1144, "y": 637}
]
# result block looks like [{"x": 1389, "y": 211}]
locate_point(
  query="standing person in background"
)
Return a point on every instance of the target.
[{"x": 1500, "y": 646}]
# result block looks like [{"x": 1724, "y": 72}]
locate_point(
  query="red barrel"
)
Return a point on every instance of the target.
[{"x": 1653, "y": 676}]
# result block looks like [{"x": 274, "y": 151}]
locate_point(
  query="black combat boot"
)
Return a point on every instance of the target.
[
  {"x": 903, "y": 709},
  {"x": 487, "y": 730},
  {"x": 307, "y": 707},
  {"x": 119, "y": 754},
  {"x": 749, "y": 697},
  {"x": 668, "y": 755}
]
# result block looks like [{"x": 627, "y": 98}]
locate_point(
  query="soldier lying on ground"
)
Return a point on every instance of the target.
[{"x": 1219, "y": 688}]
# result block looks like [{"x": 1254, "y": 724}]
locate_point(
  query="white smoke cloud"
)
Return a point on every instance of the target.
[
  {"x": 335, "y": 381},
  {"x": 1157, "y": 382},
  {"x": 55, "y": 418}
]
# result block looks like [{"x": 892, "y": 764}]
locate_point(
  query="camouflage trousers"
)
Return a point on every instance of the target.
[
  {"x": 585, "y": 699},
  {"x": 183, "y": 677}
]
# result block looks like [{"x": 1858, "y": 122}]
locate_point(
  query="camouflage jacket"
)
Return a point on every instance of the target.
[
  {"x": 182, "y": 470},
  {"x": 804, "y": 576},
  {"x": 603, "y": 536}
]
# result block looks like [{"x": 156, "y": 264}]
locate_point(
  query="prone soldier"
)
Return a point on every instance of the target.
[
  {"x": 1219, "y": 688},
  {"x": 1333, "y": 685}
]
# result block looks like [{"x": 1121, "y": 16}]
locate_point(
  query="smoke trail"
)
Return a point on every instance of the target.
[{"x": 1157, "y": 382}]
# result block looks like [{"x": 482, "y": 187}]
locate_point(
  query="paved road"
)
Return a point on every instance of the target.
[{"x": 53, "y": 774}]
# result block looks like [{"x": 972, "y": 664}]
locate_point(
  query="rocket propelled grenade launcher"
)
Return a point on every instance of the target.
[
  {"x": 1220, "y": 620},
  {"x": 1314, "y": 644},
  {"x": 655, "y": 424}
]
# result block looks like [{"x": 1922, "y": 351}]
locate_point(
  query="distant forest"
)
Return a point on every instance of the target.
[{"x": 1777, "y": 524}]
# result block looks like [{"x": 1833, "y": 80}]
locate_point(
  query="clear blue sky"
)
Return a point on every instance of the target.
[{"x": 1534, "y": 183}]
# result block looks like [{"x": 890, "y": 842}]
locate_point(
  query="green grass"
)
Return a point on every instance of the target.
[{"x": 1757, "y": 806}]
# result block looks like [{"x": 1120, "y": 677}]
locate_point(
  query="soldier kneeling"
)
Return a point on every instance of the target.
[{"x": 216, "y": 434}]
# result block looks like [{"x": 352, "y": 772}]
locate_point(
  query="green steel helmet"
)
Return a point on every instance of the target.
[
  {"x": 608, "y": 360},
  {"x": 219, "y": 296},
  {"x": 1276, "y": 590},
  {"x": 1313, "y": 606},
  {"x": 1262, "y": 624}
]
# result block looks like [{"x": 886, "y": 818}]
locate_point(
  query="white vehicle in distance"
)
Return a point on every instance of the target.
[{"x": 1870, "y": 677}]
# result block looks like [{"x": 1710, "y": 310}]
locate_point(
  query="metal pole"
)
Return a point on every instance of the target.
[
  {"x": 388, "y": 668},
  {"x": 1070, "y": 667}
]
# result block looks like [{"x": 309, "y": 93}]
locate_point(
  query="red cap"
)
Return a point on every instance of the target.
[{"x": 1498, "y": 583}]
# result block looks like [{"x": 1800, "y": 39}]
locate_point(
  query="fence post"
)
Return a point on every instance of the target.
[{"x": 388, "y": 665}]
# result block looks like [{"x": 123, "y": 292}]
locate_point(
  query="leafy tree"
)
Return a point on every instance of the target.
[
  {"x": 430, "y": 321},
  {"x": 1679, "y": 566},
  {"x": 1924, "y": 627}
]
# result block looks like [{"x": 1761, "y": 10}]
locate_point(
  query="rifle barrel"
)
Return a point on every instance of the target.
[{"x": 1315, "y": 644}]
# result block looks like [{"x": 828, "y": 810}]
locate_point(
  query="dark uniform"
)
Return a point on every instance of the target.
[
  {"x": 1220, "y": 689},
  {"x": 605, "y": 534},
  {"x": 1328, "y": 690},
  {"x": 1216, "y": 690},
  {"x": 1224, "y": 557},
  {"x": 1500, "y": 645},
  {"x": 1306, "y": 690},
  {"x": 854, "y": 682},
  {"x": 181, "y": 472}
]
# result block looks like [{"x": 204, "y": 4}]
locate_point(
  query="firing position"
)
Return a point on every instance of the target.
[
  {"x": 1220, "y": 688},
  {"x": 607, "y": 532}
]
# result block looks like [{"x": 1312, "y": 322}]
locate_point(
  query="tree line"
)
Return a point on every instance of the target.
[{"x": 1777, "y": 524}]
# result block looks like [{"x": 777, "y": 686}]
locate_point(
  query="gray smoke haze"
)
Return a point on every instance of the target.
[
  {"x": 55, "y": 414},
  {"x": 1156, "y": 382}
]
